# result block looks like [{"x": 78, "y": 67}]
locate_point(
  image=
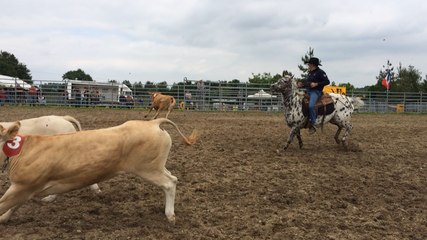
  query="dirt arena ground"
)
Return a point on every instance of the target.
[{"x": 234, "y": 185}]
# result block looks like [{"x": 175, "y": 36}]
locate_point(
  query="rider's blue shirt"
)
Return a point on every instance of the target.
[{"x": 319, "y": 76}]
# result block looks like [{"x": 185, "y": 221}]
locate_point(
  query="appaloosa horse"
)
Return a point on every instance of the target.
[{"x": 339, "y": 113}]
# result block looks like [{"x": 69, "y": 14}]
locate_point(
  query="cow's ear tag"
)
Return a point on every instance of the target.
[{"x": 13, "y": 147}]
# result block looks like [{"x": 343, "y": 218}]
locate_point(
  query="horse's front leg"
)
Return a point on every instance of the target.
[
  {"x": 299, "y": 138},
  {"x": 294, "y": 130},
  {"x": 151, "y": 108}
]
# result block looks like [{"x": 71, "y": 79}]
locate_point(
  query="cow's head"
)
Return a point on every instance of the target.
[
  {"x": 9, "y": 133},
  {"x": 154, "y": 94}
]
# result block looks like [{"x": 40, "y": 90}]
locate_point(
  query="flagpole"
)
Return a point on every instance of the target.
[
  {"x": 388, "y": 80},
  {"x": 387, "y": 98}
]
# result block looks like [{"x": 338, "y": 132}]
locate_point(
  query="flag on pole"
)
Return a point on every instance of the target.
[{"x": 386, "y": 81}]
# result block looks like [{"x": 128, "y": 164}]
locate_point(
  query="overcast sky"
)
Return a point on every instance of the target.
[{"x": 168, "y": 40}]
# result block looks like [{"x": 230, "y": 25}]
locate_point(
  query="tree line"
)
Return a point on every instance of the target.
[{"x": 402, "y": 79}]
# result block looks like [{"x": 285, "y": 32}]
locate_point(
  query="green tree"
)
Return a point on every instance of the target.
[
  {"x": 409, "y": 80},
  {"x": 163, "y": 87},
  {"x": 303, "y": 67},
  {"x": 234, "y": 81},
  {"x": 77, "y": 75},
  {"x": 378, "y": 87},
  {"x": 348, "y": 86},
  {"x": 264, "y": 78},
  {"x": 150, "y": 86},
  {"x": 235, "y": 84},
  {"x": 138, "y": 87},
  {"x": 287, "y": 73},
  {"x": 382, "y": 74},
  {"x": 127, "y": 83},
  {"x": 423, "y": 85},
  {"x": 10, "y": 66},
  {"x": 157, "y": 87}
]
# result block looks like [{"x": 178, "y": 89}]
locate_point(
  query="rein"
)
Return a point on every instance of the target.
[{"x": 345, "y": 105}]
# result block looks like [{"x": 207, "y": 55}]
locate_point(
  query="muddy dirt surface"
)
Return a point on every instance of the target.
[{"x": 234, "y": 185}]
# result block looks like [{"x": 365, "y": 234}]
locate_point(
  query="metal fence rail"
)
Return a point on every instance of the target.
[{"x": 202, "y": 96}]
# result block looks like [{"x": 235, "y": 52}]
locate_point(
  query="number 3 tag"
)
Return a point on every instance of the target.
[{"x": 13, "y": 147}]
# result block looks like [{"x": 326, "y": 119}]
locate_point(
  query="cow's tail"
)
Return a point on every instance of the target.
[
  {"x": 173, "y": 101},
  {"x": 73, "y": 121},
  {"x": 189, "y": 140}
]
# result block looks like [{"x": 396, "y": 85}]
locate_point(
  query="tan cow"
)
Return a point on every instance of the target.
[
  {"x": 48, "y": 125},
  {"x": 161, "y": 102},
  {"x": 62, "y": 163}
]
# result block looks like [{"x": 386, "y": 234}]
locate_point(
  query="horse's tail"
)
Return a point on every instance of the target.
[
  {"x": 357, "y": 102},
  {"x": 323, "y": 118}
]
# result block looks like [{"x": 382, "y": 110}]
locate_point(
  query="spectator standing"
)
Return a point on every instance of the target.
[
  {"x": 3, "y": 96},
  {"x": 32, "y": 91},
  {"x": 187, "y": 97}
]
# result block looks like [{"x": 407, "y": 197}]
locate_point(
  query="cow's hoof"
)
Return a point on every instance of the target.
[
  {"x": 6, "y": 216},
  {"x": 49, "y": 198},
  {"x": 4, "y": 220},
  {"x": 171, "y": 219},
  {"x": 95, "y": 188}
]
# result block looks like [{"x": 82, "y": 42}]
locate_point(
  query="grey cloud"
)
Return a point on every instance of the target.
[{"x": 167, "y": 40}]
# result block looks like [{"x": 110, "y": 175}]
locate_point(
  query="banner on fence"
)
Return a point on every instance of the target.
[{"x": 335, "y": 89}]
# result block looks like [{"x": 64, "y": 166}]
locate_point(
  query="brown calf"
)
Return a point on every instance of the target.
[
  {"x": 161, "y": 102},
  {"x": 62, "y": 163}
]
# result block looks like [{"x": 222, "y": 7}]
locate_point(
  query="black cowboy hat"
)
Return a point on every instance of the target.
[{"x": 314, "y": 61}]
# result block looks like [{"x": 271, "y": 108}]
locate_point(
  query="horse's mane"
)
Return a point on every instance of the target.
[{"x": 297, "y": 91}]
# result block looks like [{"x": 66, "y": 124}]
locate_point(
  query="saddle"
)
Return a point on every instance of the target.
[{"x": 324, "y": 105}]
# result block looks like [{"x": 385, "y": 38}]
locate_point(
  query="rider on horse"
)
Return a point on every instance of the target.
[{"x": 314, "y": 83}]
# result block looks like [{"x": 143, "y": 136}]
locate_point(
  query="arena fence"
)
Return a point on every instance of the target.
[{"x": 191, "y": 95}]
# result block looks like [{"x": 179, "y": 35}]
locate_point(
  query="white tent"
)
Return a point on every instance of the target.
[
  {"x": 11, "y": 82},
  {"x": 261, "y": 94}
]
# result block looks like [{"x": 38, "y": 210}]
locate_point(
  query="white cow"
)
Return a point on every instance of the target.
[
  {"x": 48, "y": 125},
  {"x": 43, "y": 165}
]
